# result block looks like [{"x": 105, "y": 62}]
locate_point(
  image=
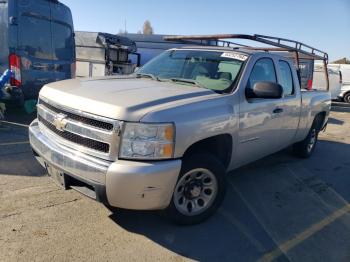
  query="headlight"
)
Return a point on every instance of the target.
[{"x": 147, "y": 141}]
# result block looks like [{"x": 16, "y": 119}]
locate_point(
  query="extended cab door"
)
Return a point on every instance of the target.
[
  {"x": 291, "y": 107},
  {"x": 259, "y": 120}
]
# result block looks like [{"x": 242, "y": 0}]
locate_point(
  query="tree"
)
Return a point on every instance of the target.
[
  {"x": 147, "y": 28},
  {"x": 342, "y": 61},
  {"x": 121, "y": 31}
]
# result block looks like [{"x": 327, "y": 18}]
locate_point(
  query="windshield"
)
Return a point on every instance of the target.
[{"x": 217, "y": 71}]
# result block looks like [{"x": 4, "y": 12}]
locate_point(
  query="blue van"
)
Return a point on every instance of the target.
[{"x": 37, "y": 43}]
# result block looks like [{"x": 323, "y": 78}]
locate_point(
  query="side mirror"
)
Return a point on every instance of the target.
[{"x": 265, "y": 89}]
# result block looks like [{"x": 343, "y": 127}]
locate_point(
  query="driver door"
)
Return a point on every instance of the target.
[{"x": 260, "y": 118}]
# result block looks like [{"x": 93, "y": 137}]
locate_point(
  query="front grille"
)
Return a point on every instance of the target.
[
  {"x": 89, "y": 143},
  {"x": 91, "y": 122}
]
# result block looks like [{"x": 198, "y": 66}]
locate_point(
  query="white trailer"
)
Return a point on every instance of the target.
[
  {"x": 102, "y": 54},
  {"x": 344, "y": 70},
  {"x": 335, "y": 79}
]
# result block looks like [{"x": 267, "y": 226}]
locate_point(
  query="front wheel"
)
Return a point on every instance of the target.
[{"x": 199, "y": 191}]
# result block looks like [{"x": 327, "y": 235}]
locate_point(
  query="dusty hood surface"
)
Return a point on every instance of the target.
[{"x": 121, "y": 98}]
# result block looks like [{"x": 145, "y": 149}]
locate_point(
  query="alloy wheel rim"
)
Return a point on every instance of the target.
[{"x": 195, "y": 192}]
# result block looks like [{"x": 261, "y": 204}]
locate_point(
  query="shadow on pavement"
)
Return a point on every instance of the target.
[
  {"x": 18, "y": 115},
  {"x": 16, "y": 157},
  {"x": 20, "y": 162},
  {"x": 334, "y": 121},
  {"x": 277, "y": 209}
]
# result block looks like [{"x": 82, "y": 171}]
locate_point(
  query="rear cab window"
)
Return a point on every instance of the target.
[
  {"x": 286, "y": 80},
  {"x": 306, "y": 70}
]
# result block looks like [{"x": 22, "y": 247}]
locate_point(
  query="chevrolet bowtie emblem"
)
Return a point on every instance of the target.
[{"x": 60, "y": 122}]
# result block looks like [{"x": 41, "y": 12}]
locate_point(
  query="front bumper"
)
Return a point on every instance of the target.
[{"x": 124, "y": 184}]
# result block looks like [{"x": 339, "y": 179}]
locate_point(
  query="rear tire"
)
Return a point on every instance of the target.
[
  {"x": 199, "y": 191},
  {"x": 305, "y": 148},
  {"x": 347, "y": 98}
]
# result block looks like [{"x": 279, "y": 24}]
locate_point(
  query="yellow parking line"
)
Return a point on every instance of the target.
[
  {"x": 14, "y": 143},
  {"x": 291, "y": 243},
  {"x": 13, "y": 123},
  {"x": 285, "y": 247}
]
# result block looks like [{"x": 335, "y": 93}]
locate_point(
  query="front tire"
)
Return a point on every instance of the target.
[{"x": 199, "y": 190}]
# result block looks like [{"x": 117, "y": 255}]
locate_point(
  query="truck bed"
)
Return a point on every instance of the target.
[{"x": 312, "y": 102}]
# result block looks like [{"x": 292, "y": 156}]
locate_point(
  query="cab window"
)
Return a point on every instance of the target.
[
  {"x": 286, "y": 80},
  {"x": 263, "y": 70}
]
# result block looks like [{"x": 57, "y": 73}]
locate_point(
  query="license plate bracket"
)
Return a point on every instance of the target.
[{"x": 57, "y": 176}]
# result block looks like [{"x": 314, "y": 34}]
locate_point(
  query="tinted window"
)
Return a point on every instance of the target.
[
  {"x": 286, "y": 78},
  {"x": 306, "y": 67},
  {"x": 35, "y": 37},
  {"x": 263, "y": 70},
  {"x": 62, "y": 42}
]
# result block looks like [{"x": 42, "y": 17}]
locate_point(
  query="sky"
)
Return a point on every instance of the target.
[{"x": 319, "y": 23}]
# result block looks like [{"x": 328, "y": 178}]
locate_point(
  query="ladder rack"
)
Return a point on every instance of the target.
[{"x": 280, "y": 44}]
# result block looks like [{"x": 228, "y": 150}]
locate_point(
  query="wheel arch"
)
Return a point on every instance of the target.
[
  {"x": 321, "y": 120},
  {"x": 221, "y": 146}
]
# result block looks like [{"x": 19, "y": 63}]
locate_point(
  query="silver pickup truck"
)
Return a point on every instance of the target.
[{"x": 165, "y": 137}]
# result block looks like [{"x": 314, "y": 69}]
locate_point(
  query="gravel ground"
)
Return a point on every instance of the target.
[{"x": 280, "y": 208}]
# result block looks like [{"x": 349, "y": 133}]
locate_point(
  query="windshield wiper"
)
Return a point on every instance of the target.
[
  {"x": 189, "y": 81},
  {"x": 147, "y": 75},
  {"x": 174, "y": 79}
]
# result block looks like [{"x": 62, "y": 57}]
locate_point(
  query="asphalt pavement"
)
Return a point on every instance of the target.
[{"x": 280, "y": 208}]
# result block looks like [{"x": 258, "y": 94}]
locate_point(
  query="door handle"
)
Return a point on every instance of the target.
[{"x": 278, "y": 111}]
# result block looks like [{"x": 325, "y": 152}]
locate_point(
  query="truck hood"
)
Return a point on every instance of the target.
[{"x": 123, "y": 98}]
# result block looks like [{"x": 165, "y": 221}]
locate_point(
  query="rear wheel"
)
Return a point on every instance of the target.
[
  {"x": 306, "y": 147},
  {"x": 199, "y": 191},
  {"x": 347, "y": 98}
]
